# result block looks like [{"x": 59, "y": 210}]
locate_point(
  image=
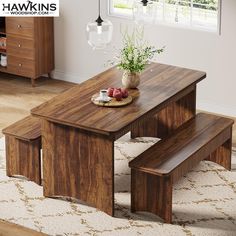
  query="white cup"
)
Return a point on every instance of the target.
[
  {"x": 3, "y": 60},
  {"x": 103, "y": 95}
]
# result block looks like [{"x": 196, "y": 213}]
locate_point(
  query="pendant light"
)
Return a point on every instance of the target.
[
  {"x": 99, "y": 32},
  {"x": 144, "y": 11}
]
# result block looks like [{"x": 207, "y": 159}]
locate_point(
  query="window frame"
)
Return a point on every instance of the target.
[{"x": 173, "y": 25}]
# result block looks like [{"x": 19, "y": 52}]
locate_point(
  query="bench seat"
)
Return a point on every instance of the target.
[
  {"x": 23, "y": 145},
  {"x": 153, "y": 172}
]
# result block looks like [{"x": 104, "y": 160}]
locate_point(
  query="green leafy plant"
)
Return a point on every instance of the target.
[
  {"x": 122, "y": 6},
  {"x": 136, "y": 53}
]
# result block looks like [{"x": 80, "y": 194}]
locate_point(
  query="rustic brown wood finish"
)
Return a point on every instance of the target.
[
  {"x": 30, "y": 46},
  {"x": 27, "y": 129},
  {"x": 151, "y": 193},
  {"x": 169, "y": 118},
  {"x": 160, "y": 84},
  {"x": 85, "y": 133},
  {"x": 80, "y": 165},
  {"x": 220, "y": 155},
  {"x": 23, "y": 145},
  {"x": 155, "y": 170}
]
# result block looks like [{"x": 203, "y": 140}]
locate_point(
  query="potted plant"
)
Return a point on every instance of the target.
[{"x": 134, "y": 56}]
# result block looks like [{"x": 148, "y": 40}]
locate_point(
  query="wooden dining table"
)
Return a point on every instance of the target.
[{"x": 78, "y": 137}]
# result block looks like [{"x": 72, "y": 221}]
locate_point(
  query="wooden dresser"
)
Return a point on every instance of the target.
[{"x": 30, "y": 46}]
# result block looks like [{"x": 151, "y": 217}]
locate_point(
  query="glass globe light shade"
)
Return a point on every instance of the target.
[
  {"x": 99, "y": 35},
  {"x": 144, "y": 12}
]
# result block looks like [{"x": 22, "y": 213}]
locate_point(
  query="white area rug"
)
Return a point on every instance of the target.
[{"x": 204, "y": 203}]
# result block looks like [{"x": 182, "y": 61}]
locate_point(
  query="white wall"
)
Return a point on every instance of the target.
[
  {"x": 215, "y": 54},
  {"x": 75, "y": 60}
]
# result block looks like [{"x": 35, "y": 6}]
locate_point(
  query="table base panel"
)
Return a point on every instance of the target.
[
  {"x": 78, "y": 164},
  {"x": 168, "y": 119}
]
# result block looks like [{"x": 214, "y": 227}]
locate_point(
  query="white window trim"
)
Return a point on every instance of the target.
[{"x": 181, "y": 26}]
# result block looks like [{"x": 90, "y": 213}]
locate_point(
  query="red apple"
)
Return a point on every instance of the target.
[
  {"x": 124, "y": 92},
  {"x": 110, "y": 92},
  {"x": 115, "y": 90},
  {"x": 117, "y": 94}
]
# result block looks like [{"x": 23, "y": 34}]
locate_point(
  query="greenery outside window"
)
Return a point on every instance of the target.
[{"x": 201, "y": 14}]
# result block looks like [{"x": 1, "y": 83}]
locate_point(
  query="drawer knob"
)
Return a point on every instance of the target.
[
  {"x": 19, "y": 45},
  {"x": 20, "y": 65},
  {"x": 18, "y": 26}
]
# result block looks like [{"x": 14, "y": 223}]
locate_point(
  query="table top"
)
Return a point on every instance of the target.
[{"x": 159, "y": 82}]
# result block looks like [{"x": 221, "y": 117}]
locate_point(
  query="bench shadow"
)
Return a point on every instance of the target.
[
  {"x": 204, "y": 221},
  {"x": 122, "y": 183}
]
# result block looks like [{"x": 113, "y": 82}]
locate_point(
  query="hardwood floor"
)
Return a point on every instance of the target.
[
  {"x": 234, "y": 134},
  {"x": 18, "y": 97},
  {"x": 9, "y": 229}
]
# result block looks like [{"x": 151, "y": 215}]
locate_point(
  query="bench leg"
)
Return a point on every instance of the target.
[
  {"x": 222, "y": 155},
  {"x": 23, "y": 158},
  {"x": 152, "y": 194}
]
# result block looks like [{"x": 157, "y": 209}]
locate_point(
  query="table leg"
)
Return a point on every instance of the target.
[
  {"x": 168, "y": 119},
  {"x": 78, "y": 164}
]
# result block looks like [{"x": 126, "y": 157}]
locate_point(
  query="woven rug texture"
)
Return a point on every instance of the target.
[{"x": 204, "y": 202}]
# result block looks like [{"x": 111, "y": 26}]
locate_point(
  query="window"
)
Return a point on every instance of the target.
[{"x": 202, "y": 14}]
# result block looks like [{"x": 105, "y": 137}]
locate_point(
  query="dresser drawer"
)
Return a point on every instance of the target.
[
  {"x": 20, "y": 47},
  {"x": 23, "y": 26},
  {"x": 21, "y": 66}
]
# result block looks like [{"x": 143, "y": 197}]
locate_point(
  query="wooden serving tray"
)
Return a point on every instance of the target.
[{"x": 113, "y": 102}]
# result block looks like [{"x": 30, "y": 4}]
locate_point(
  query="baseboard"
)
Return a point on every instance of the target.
[
  {"x": 60, "y": 75},
  {"x": 218, "y": 108}
]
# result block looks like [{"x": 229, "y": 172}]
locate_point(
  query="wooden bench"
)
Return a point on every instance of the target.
[
  {"x": 23, "y": 145},
  {"x": 153, "y": 173}
]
